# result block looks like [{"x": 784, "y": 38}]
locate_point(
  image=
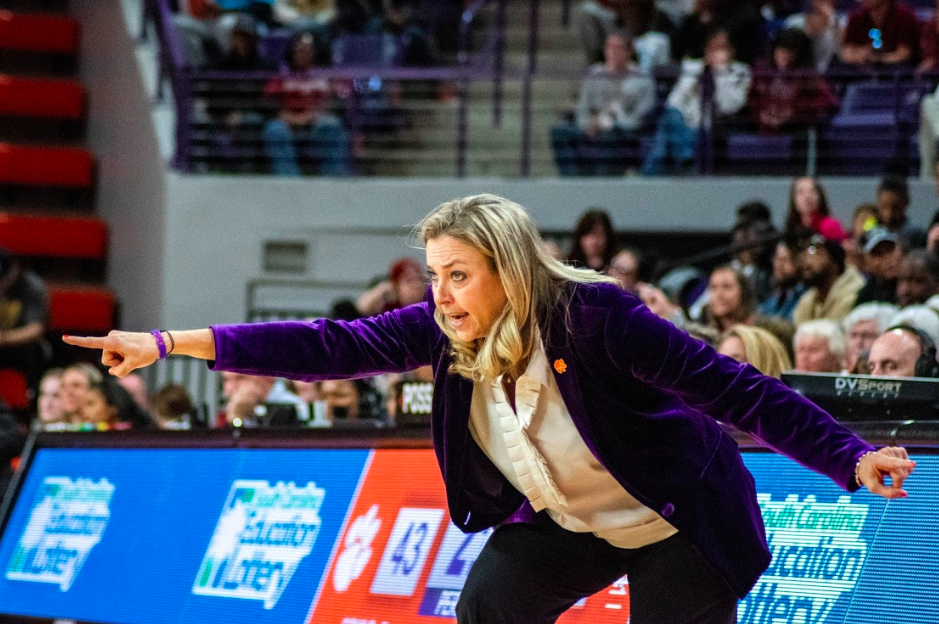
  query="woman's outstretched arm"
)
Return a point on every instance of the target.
[{"x": 123, "y": 352}]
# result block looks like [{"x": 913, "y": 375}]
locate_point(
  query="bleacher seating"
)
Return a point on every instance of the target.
[
  {"x": 761, "y": 154},
  {"x": 32, "y": 165},
  {"x": 13, "y": 389},
  {"x": 41, "y": 97},
  {"x": 47, "y": 173},
  {"x": 35, "y": 32},
  {"x": 81, "y": 307},
  {"x": 54, "y": 235}
]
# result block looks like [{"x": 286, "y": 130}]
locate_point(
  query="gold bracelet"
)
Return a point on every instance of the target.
[{"x": 857, "y": 468}]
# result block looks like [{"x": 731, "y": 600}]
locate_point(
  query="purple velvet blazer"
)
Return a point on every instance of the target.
[{"x": 643, "y": 394}]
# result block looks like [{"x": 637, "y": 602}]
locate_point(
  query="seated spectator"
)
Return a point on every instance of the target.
[
  {"x": 922, "y": 317},
  {"x": 107, "y": 405},
  {"x": 242, "y": 54},
  {"x": 173, "y": 408},
  {"x": 881, "y": 32},
  {"x": 344, "y": 310},
  {"x": 350, "y": 400},
  {"x": 49, "y": 414},
  {"x": 893, "y": 199},
  {"x": 740, "y": 20},
  {"x": 198, "y": 32},
  {"x": 414, "y": 45},
  {"x": 651, "y": 29},
  {"x": 625, "y": 268},
  {"x": 730, "y": 300},
  {"x": 24, "y": 313},
  {"x": 787, "y": 282},
  {"x": 789, "y": 96},
  {"x": 615, "y": 100},
  {"x": 676, "y": 134},
  {"x": 307, "y": 390},
  {"x": 593, "y": 241},
  {"x": 76, "y": 380},
  {"x": 235, "y": 121},
  {"x": 254, "y": 400},
  {"x": 882, "y": 256},
  {"x": 100, "y": 408},
  {"x": 783, "y": 329},
  {"x": 823, "y": 26},
  {"x": 819, "y": 347},
  {"x": 753, "y": 253},
  {"x": 863, "y": 220},
  {"x": 406, "y": 285},
  {"x": 755, "y": 346},
  {"x": 304, "y": 137},
  {"x": 832, "y": 286},
  {"x": 903, "y": 352},
  {"x": 861, "y": 327},
  {"x": 755, "y": 210},
  {"x": 917, "y": 278},
  {"x": 809, "y": 212}
]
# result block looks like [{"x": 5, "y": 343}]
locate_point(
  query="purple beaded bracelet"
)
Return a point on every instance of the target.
[{"x": 161, "y": 345}]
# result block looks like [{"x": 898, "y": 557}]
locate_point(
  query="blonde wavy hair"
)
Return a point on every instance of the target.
[
  {"x": 764, "y": 350},
  {"x": 534, "y": 282}
]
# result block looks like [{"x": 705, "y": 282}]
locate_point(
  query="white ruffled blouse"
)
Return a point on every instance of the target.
[{"x": 540, "y": 452}]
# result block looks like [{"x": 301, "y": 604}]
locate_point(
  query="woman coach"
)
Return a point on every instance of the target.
[{"x": 569, "y": 416}]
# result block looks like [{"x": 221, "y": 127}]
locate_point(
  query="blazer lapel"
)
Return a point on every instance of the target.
[
  {"x": 564, "y": 368},
  {"x": 451, "y": 432}
]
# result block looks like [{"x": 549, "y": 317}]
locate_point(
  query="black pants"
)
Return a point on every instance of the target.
[{"x": 532, "y": 573}]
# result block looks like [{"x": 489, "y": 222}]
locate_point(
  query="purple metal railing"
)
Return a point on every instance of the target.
[
  {"x": 525, "y": 165},
  {"x": 172, "y": 66}
]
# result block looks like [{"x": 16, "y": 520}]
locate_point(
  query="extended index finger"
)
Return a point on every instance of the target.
[{"x": 88, "y": 342}]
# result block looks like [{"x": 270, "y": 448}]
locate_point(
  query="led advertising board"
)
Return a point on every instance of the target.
[{"x": 363, "y": 537}]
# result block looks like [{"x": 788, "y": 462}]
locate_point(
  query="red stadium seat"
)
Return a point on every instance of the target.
[
  {"x": 13, "y": 389},
  {"x": 63, "y": 236},
  {"x": 47, "y": 166},
  {"x": 74, "y": 307},
  {"x": 41, "y": 97},
  {"x": 36, "y": 32}
]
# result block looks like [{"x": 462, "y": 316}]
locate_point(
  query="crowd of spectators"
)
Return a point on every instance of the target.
[
  {"x": 812, "y": 295},
  {"x": 734, "y": 66},
  {"x": 296, "y": 122},
  {"x": 665, "y": 76},
  {"x": 835, "y": 293}
]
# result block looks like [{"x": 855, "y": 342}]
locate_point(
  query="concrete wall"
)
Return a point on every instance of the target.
[
  {"x": 217, "y": 225},
  {"x": 131, "y": 174}
]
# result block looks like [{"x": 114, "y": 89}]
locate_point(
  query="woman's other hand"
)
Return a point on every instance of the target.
[{"x": 892, "y": 461}]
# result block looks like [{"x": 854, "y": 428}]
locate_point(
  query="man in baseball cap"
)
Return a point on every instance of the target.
[{"x": 882, "y": 253}]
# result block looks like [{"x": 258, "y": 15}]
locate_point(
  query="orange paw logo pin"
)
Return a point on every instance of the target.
[{"x": 560, "y": 366}]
